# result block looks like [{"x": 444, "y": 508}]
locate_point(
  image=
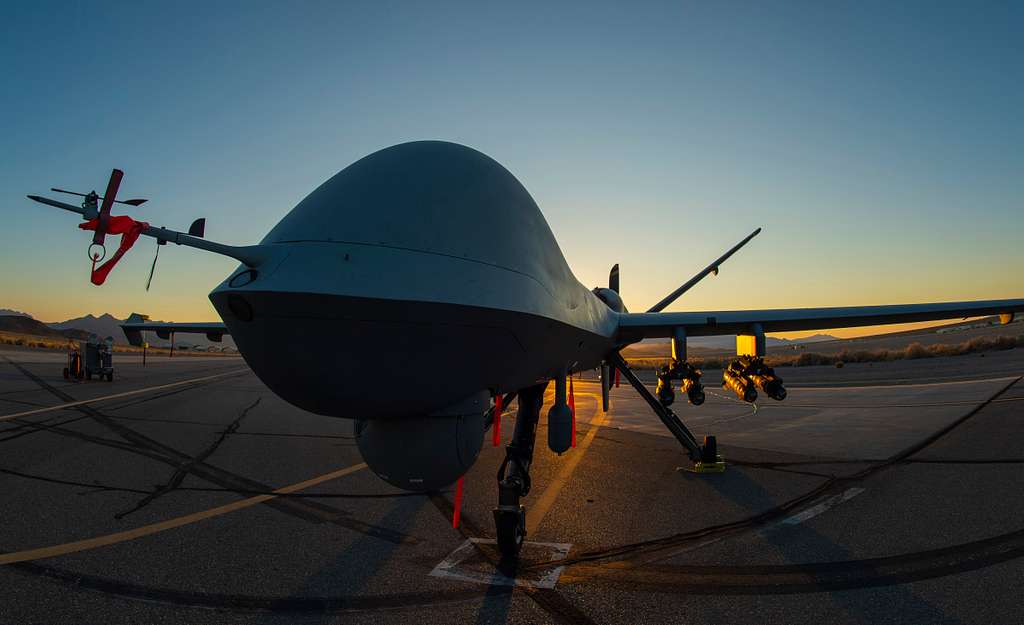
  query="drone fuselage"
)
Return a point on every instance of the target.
[{"x": 413, "y": 279}]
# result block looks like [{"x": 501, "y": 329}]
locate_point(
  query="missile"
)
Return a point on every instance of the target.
[
  {"x": 739, "y": 384},
  {"x": 771, "y": 385},
  {"x": 664, "y": 391},
  {"x": 694, "y": 390}
]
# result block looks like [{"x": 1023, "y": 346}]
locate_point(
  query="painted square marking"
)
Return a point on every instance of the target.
[{"x": 468, "y": 564}]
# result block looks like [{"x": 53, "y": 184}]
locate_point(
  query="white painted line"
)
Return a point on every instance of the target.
[
  {"x": 816, "y": 509},
  {"x": 547, "y": 578},
  {"x": 789, "y": 521},
  {"x": 72, "y": 404}
]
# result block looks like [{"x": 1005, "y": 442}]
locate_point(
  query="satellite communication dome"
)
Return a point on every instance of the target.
[{"x": 430, "y": 196}]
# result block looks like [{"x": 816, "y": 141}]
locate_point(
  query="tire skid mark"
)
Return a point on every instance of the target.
[
  {"x": 33, "y": 404},
  {"x": 806, "y": 578},
  {"x": 310, "y": 511},
  {"x": 645, "y": 552},
  {"x": 287, "y": 435},
  {"x": 25, "y": 428},
  {"x": 98, "y": 486},
  {"x": 55, "y": 480},
  {"x": 781, "y": 579},
  {"x": 705, "y": 580},
  {"x": 98, "y": 440},
  {"x": 965, "y": 461},
  {"x": 251, "y": 603},
  {"x": 185, "y": 468}
]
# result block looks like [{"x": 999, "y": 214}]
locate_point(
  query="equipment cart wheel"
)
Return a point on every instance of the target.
[{"x": 110, "y": 377}]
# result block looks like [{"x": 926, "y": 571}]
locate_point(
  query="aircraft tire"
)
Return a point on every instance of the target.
[{"x": 511, "y": 533}]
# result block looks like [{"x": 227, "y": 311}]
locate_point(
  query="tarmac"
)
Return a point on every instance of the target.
[{"x": 186, "y": 492}]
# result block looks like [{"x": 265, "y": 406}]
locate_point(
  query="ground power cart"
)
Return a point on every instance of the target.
[{"x": 91, "y": 358}]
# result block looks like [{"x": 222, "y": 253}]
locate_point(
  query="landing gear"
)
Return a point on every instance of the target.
[
  {"x": 710, "y": 461},
  {"x": 514, "y": 473},
  {"x": 511, "y": 529},
  {"x": 705, "y": 457}
]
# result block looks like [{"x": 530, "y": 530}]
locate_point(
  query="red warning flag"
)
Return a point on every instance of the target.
[
  {"x": 496, "y": 427},
  {"x": 572, "y": 408},
  {"x": 128, "y": 228},
  {"x": 458, "y": 502}
]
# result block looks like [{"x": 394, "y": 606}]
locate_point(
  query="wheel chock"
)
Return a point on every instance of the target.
[
  {"x": 718, "y": 466},
  {"x": 707, "y": 467}
]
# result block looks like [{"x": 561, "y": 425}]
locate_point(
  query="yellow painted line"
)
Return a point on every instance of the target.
[
  {"x": 536, "y": 512},
  {"x": 146, "y": 530},
  {"x": 72, "y": 404}
]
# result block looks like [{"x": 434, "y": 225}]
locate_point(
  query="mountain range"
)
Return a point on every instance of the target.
[
  {"x": 103, "y": 326},
  {"x": 108, "y": 325},
  {"x": 24, "y": 324}
]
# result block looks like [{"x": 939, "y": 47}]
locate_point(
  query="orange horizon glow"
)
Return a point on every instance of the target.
[{"x": 41, "y": 314}]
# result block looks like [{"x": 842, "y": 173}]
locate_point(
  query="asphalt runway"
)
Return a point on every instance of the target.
[{"x": 186, "y": 492}]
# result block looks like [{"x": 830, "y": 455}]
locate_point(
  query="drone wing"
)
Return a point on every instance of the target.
[
  {"x": 136, "y": 324},
  {"x": 637, "y": 326}
]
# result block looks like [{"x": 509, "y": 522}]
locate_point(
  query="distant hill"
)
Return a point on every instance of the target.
[
  {"x": 23, "y": 324},
  {"x": 108, "y": 325},
  {"x": 729, "y": 341},
  {"x": 103, "y": 326},
  {"x": 770, "y": 341}
]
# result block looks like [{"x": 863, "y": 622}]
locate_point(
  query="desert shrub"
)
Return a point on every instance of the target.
[
  {"x": 947, "y": 350},
  {"x": 710, "y": 363},
  {"x": 916, "y": 350},
  {"x": 1006, "y": 342},
  {"x": 811, "y": 359},
  {"x": 808, "y": 359}
]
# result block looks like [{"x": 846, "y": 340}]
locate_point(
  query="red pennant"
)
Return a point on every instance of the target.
[
  {"x": 128, "y": 228},
  {"x": 496, "y": 427},
  {"x": 572, "y": 407},
  {"x": 458, "y": 502}
]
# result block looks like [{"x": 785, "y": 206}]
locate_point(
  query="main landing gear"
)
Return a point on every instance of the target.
[
  {"x": 705, "y": 457},
  {"x": 514, "y": 473}
]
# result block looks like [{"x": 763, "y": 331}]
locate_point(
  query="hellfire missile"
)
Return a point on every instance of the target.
[{"x": 733, "y": 378}]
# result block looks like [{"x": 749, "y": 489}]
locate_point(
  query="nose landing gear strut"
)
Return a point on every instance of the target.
[{"x": 514, "y": 473}]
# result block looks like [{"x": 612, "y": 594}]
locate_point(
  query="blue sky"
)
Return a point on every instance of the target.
[{"x": 879, "y": 145}]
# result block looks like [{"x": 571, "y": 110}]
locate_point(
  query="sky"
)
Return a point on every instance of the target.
[{"x": 877, "y": 143}]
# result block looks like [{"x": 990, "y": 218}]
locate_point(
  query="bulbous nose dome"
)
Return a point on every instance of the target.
[{"x": 431, "y": 196}]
